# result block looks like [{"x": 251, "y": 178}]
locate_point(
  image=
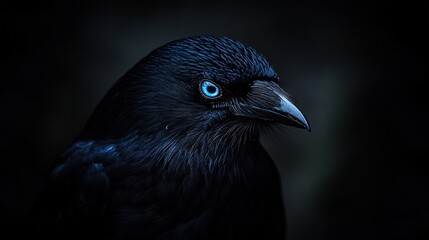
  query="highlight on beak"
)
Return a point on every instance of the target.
[{"x": 267, "y": 101}]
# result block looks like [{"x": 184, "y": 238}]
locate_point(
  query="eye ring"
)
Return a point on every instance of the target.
[{"x": 210, "y": 90}]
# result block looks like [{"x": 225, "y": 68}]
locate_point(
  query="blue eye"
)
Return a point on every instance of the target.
[{"x": 209, "y": 89}]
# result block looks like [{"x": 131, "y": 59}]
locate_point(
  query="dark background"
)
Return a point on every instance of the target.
[{"x": 359, "y": 71}]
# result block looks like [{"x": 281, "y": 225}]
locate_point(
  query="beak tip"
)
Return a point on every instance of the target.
[
  {"x": 305, "y": 125},
  {"x": 300, "y": 120},
  {"x": 308, "y": 128}
]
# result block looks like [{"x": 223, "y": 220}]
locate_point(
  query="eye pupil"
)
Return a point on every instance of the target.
[{"x": 211, "y": 89}]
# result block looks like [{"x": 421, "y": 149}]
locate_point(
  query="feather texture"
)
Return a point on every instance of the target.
[{"x": 158, "y": 161}]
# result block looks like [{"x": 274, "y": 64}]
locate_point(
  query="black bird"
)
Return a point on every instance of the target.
[{"x": 172, "y": 151}]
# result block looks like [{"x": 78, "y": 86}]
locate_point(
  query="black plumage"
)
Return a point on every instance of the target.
[{"x": 172, "y": 151}]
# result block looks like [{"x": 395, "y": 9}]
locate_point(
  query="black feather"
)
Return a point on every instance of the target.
[{"x": 158, "y": 161}]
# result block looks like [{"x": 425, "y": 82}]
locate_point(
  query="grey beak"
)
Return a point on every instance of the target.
[{"x": 267, "y": 101}]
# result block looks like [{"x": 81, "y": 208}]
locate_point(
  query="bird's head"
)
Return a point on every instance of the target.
[{"x": 196, "y": 85}]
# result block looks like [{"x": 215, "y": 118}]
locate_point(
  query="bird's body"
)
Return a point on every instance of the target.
[{"x": 172, "y": 152}]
